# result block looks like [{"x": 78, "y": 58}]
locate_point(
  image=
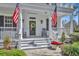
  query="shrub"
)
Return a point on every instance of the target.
[
  {"x": 76, "y": 29},
  {"x": 75, "y": 36},
  {"x": 71, "y": 50},
  {"x": 75, "y": 44},
  {"x": 7, "y": 42},
  {"x": 13, "y": 52}
]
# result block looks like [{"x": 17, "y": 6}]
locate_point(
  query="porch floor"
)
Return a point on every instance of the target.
[{"x": 44, "y": 52}]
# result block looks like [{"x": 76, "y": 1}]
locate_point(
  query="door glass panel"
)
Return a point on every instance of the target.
[{"x": 32, "y": 27}]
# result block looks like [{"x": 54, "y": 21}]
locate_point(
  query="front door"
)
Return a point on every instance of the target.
[{"x": 32, "y": 27}]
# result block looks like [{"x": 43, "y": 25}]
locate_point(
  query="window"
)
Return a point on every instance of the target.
[
  {"x": 47, "y": 24},
  {"x": 6, "y": 21},
  {"x": 9, "y": 22},
  {"x": 1, "y": 21}
]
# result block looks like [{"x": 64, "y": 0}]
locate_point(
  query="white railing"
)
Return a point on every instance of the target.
[
  {"x": 65, "y": 30},
  {"x": 13, "y": 33},
  {"x": 7, "y": 31},
  {"x": 57, "y": 33}
]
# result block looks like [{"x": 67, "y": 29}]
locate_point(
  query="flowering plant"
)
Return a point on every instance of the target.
[
  {"x": 63, "y": 37},
  {"x": 56, "y": 43}
]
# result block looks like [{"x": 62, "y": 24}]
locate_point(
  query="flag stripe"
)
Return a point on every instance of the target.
[
  {"x": 16, "y": 14},
  {"x": 15, "y": 20},
  {"x": 15, "y": 17}
]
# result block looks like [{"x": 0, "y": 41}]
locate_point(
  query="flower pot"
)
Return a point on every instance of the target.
[
  {"x": 54, "y": 47},
  {"x": 7, "y": 46}
]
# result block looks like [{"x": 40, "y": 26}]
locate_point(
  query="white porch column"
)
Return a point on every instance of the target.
[
  {"x": 50, "y": 28},
  {"x": 59, "y": 25},
  {"x": 20, "y": 28},
  {"x": 71, "y": 24},
  {"x": 50, "y": 23},
  {"x": 20, "y": 32}
]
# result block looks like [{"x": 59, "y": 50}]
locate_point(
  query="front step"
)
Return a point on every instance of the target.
[
  {"x": 34, "y": 43},
  {"x": 34, "y": 47},
  {"x": 41, "y": 43}
]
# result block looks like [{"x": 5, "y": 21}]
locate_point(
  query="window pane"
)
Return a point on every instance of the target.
[
  {"x": 8, "y": 25},
  {"x": 1, "y": 21},
  {"x": 14, "y": 25}
]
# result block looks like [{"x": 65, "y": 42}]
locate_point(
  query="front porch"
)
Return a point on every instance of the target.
[
  {"x": 35, "y": 22},
  {"x": 35, "y": 26}
]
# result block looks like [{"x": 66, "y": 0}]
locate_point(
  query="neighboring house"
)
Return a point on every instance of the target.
[{"x": 36, "y": 19}]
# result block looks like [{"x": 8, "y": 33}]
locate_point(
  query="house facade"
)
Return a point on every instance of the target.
[{"x": 36, "y": 23}]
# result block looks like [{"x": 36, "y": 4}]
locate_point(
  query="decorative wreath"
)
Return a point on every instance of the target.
[{"x": 32, "y": 25}]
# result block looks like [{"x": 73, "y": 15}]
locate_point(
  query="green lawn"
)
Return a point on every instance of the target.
[{"x": 12, "y": 52}]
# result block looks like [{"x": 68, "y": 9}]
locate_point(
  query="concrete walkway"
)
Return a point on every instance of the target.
[{"x": 44, "y": 52}]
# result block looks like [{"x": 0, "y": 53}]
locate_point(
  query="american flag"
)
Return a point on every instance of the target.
[
  {"x": 16, "y": 14},
  {"x": 54, "y": 17}
]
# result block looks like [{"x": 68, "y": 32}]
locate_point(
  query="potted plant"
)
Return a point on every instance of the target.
[
  {"x": 7, "y": 42},
  {"x": 55, "y": 44}
]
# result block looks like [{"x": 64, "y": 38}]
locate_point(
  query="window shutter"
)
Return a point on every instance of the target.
[{"x": 1, "y": 21}]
